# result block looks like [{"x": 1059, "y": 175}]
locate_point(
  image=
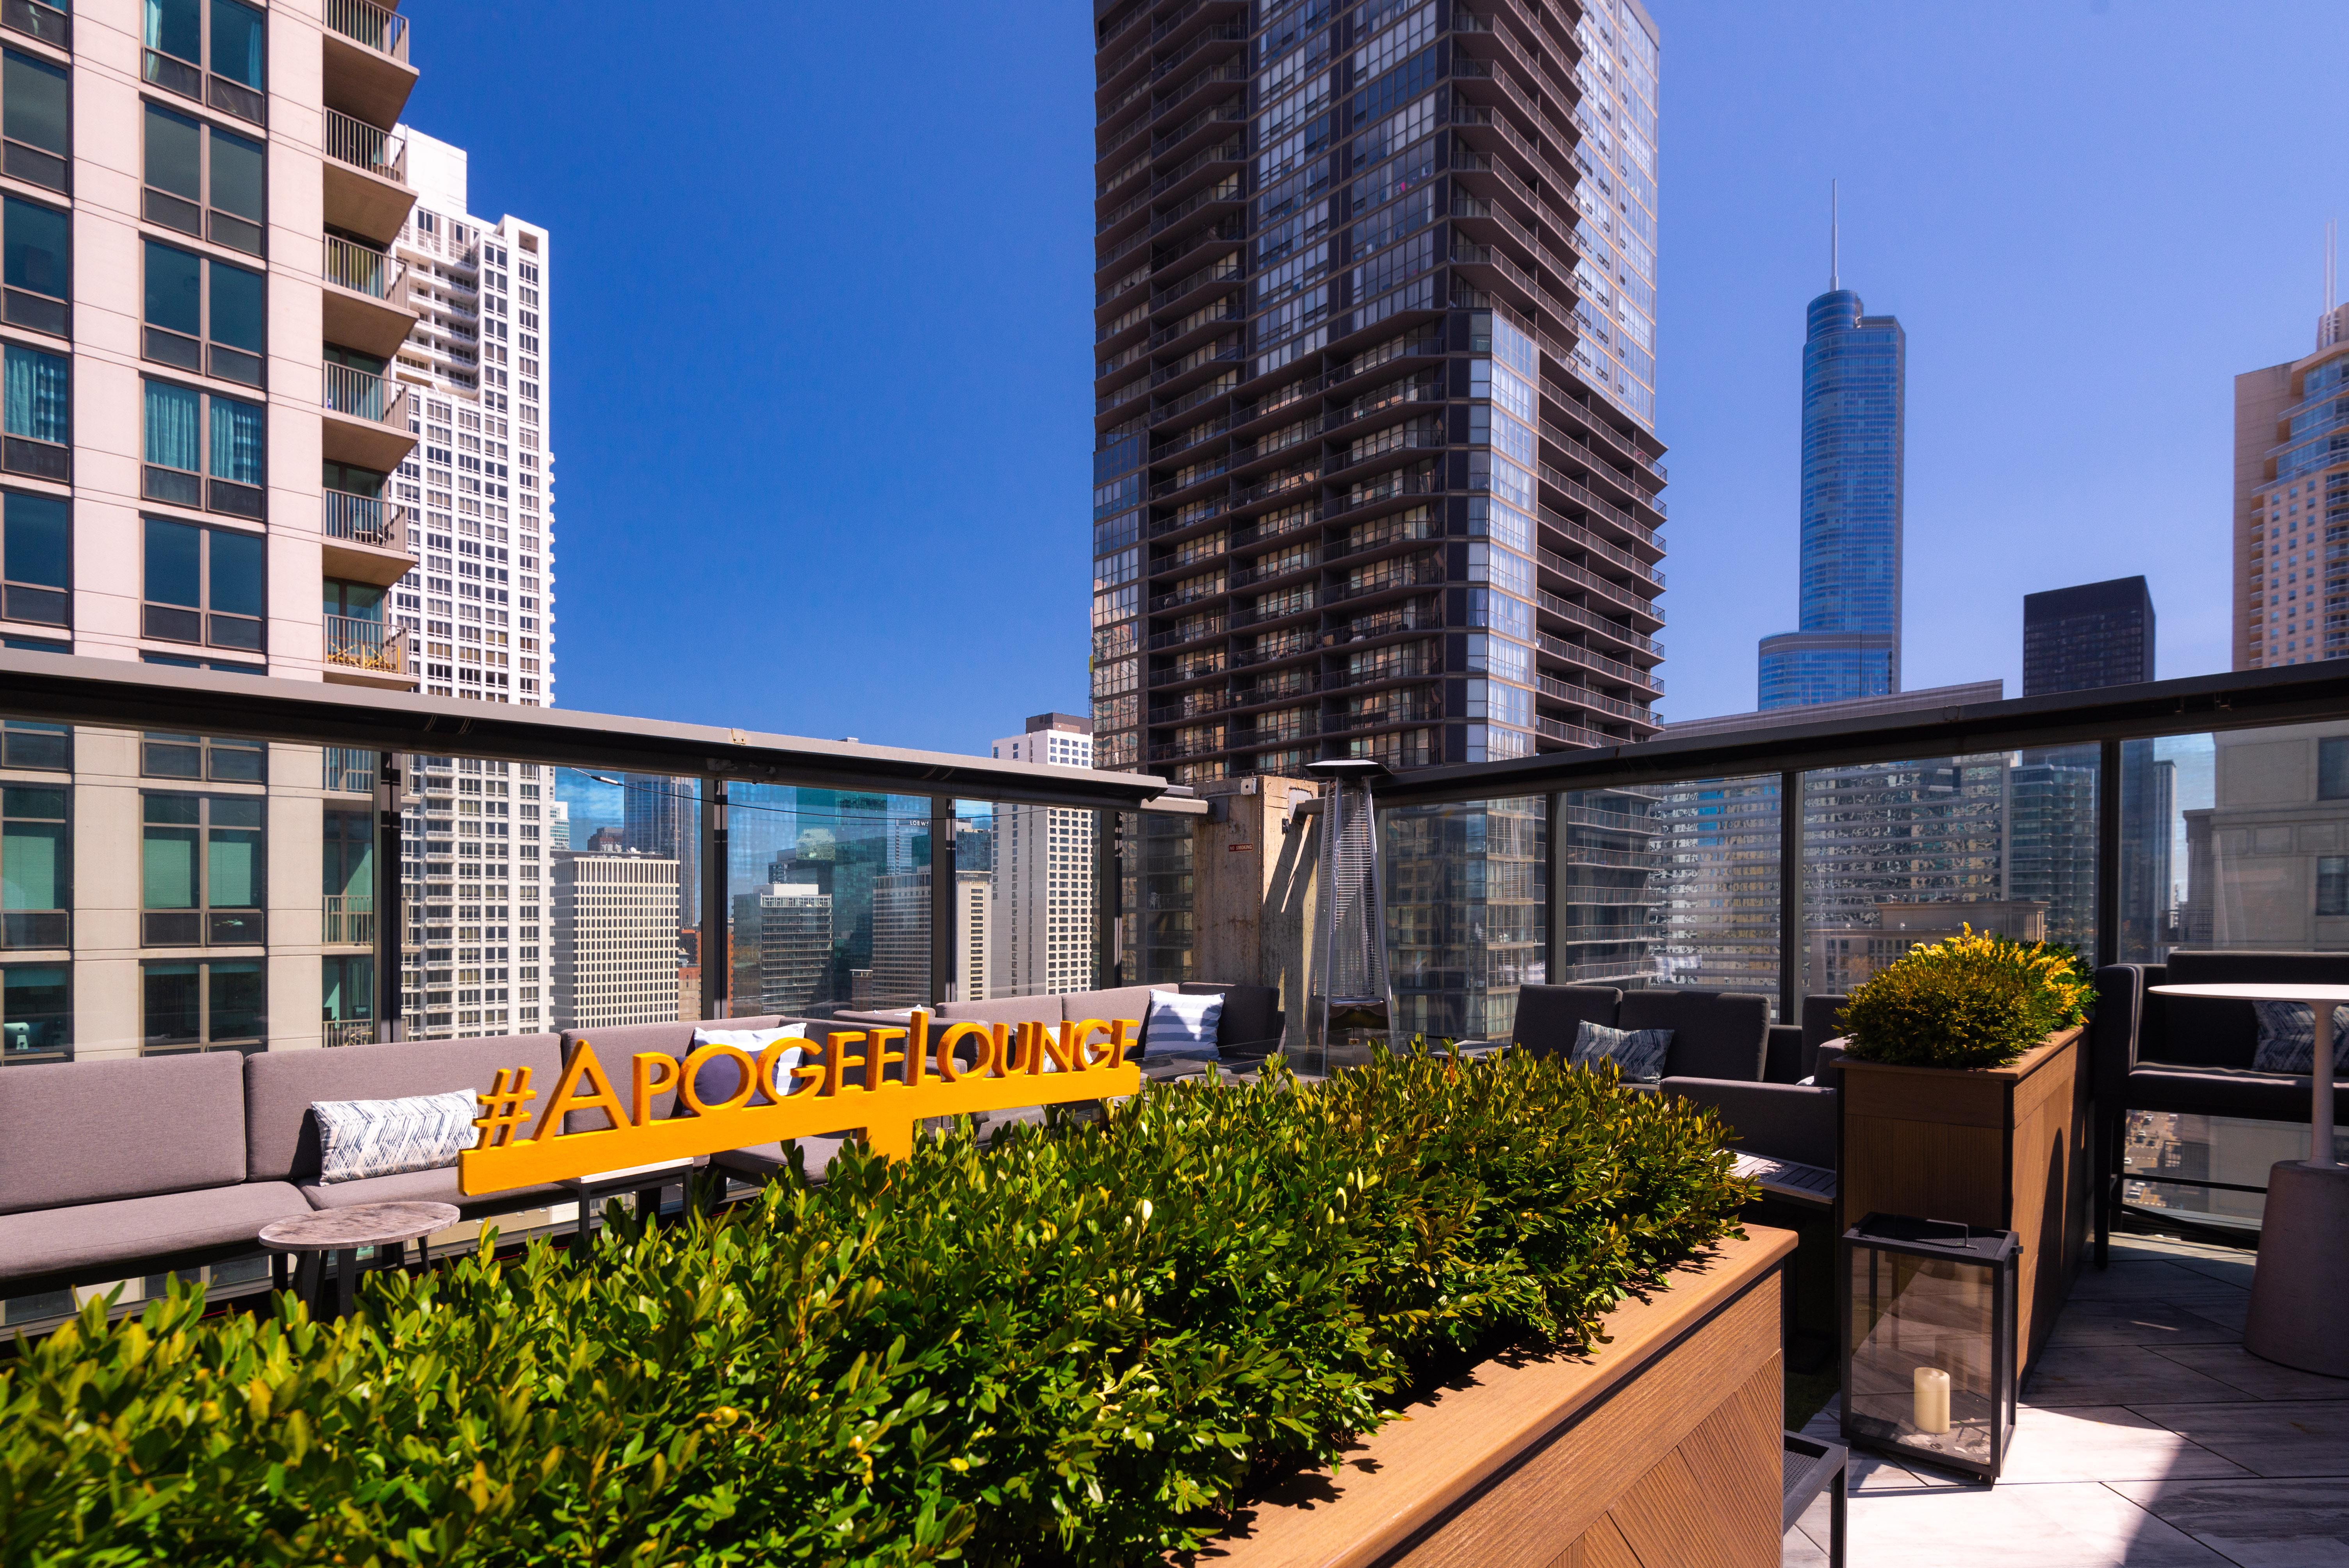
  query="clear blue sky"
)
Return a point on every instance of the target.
[{"x": 824, "y": 322}]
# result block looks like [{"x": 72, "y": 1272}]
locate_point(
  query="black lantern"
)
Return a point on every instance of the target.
[{"x": 1929, "y": 1353}]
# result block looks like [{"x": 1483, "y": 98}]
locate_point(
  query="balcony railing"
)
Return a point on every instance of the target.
[
  {"x": 366, "y": 147},
  {"x": 361, "y": 270},
  {"x": 366, "y": 397},
  {"x": 350, "y": 919},
  {"x": 365, "y": 520},
  {"x": 378, "y": 27},
  {"x": 370, "y": 645}
]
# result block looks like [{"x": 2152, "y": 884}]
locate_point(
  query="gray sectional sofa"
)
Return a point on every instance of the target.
[
  {"x": 1249, "y": 1026},
  {"x": 112, "y": 1168}
]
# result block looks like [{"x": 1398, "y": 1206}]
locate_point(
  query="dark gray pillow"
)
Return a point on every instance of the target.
[
  {"x": 2288, "y": 1037},
  {"x": 1638, "y": 1053}
]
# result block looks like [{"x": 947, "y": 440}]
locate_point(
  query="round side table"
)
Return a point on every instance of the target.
[
  {"x": 2300, "y": 1289},
  {"x": 343, "y": 1231}
]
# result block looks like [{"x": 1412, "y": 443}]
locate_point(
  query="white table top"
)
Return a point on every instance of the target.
[{"x": 2259, "y": 991}]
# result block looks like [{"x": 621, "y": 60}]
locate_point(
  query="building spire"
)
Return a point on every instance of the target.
[{"x": 1835, "y": 240}]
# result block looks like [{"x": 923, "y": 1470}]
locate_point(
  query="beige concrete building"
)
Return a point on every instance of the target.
[
  {"x": 615, "y": 940},
  {"x": 1042, "y": 927},
  {"x": 197, "y": 205},
  {"x": 2291, "y": 515}
]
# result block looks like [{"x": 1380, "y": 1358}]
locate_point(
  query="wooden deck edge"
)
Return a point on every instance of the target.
[{"x": 1406, "y": 1477}]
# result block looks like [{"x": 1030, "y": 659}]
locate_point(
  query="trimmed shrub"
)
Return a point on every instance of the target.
[
  {"x": 1975, "y": 1000},
  {"x": 1076, "y": 1345}
]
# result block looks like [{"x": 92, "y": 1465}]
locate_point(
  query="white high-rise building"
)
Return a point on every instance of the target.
[
  {"x": 477, "y": 609},
  {"x": 1042, "y": 931},
  {"x": 615, "y": 940}
]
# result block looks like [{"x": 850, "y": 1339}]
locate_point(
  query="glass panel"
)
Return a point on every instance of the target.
[
  {"x": 237, "y": 441},
  {"x": 175, "y": 153},
  {"x": 36, "y": 248},
  {"x": 169, "y": 859},
  {"x": 37, "y": 539},
  {"x": 175, "y": 27},
  {"x": 32, "y": 102},
  {"x": 36, "y": 1010},
  {"x": 827, "y": 897},
  {"x": 36, "y": 398},
  {"x": 174, "y": 285},
  {"x": 974, "y": 903},
  {"x": 1610, "y": 888},
  {"x": 174, "y": 998},
  {"x": 1911, "y": 1314},
  {"x": 171, "y": 441},
  {"x": 240, "y": 175},
  {"x": 236, "y": 43},
  {"x": 346, "y": 988},
  {"x": 238, "y": 309},
  {"x": 33, "y": 866},
  {"x": 1880, "y": 838},
  {"x": 1466, "y": 888},
  {"x": 1157, "y": 868},
  {"x": 173, "y": 552},
  {"x": 1719, "y": 840},
  {"x": 2166, "y": 1155},
  {"x": 233, "y": 869},
  {"x": 237, "y": 1002},
  {"x": 236, "y": 572}
]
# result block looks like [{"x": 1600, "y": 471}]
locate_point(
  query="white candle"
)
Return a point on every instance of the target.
[{"x": 1933, "y": 1400}]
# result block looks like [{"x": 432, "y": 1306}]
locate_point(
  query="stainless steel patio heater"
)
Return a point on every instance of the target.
[{"x": 1350, "y": 1001}]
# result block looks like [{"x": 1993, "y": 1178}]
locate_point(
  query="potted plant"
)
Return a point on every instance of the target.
[{"x": 1965, "y": 1098}]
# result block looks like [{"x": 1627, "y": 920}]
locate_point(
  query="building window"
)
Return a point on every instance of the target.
[
  {"x": 35, "y": 867},
  {"x": 213, "y": 192},
  {"x": 34, "y": 265},
  {"x": 183, "y": 36},
  {"x": 36, "y": 552},
  {"x": 35, "y": 1013},
  {"x": 32, "y": 121},
  {"x": 201, "y": 1006},
  {"x": 184, "y": 468},
  {"x": 209, "y": 757},
  {"x": 203, "y": 315},
  {"x": 2332, "y": 885},
  {"x": 2333, "y": 767},
  {"x": 202, "y": 871},
  {"x": 346, "y": 998},
  {"x": 203, "y": 586},
  {"x": 38, "y": 422},
  {"x": 43, "y": 747}
]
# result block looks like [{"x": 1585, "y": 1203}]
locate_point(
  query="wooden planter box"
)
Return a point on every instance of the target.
[
  {"x": 2001, "y": 1147},
  {"x": 1663, "y": 1446}
]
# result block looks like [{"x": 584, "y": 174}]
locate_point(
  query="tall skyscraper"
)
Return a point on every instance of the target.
[
  {"x": 1042, "y": 927},
  {"x": 615, "y": 940},
  {"x": 662, "y": 816},
  {"x": 1374, "y": 471},
  {"x": 1855, "y": 381},
  {"x": 2097, "y": 635},
  {"x": 2291, "y": 501}
]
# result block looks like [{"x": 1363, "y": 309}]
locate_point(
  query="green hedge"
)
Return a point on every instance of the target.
[
  {"x": 1974, "y": 1000},
  {"x": 1073, "y": 1347}
]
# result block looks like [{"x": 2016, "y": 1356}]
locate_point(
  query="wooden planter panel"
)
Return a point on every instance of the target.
[
  {"x": 1998, "y": 1148},
  {"x": 1660, "y": 1449}
]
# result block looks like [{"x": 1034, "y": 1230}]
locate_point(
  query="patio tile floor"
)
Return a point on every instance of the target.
[{"x": 2147, "y": 1437}]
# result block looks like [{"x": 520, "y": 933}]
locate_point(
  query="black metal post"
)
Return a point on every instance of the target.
[
  {"x": 717, "y": 951},
  {"x": 2108, "y": 853},
  {"x": 1790, "y": 898},
  {"x": 390, "y": 919},
  {"x": 942, "y": 911}
]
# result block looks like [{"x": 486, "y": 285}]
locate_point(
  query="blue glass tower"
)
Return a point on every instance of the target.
[{"x": 1855, "y": 381}]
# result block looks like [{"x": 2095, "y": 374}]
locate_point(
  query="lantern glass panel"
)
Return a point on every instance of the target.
[{"x": 1929, "y": 1368}]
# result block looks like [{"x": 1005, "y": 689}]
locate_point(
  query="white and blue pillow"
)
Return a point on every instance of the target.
[
  {"x": 722, "y": 1080},
  {"x": 2288, "y": 1039},
  {"x": 1182, "y": 1026},
  {"x": 1639, "y": 1054},
  {"x": 360, "y": 1138}
]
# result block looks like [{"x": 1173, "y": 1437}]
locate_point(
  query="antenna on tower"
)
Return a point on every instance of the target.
[
  {"x": 1835, "y": 240},
  {"x": 2332, "y": 262}
]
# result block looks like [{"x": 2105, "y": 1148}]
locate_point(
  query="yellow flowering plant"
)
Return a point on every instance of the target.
[{"x": 1975, "y": 1000}]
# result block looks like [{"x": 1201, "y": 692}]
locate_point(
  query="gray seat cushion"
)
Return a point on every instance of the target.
[
  {"x": 88, "y": 1132},
  {"x": 1715, "y": 1033},
  {"x": 765, "y": 1161},
  {"x": 2228, "y": 1091},
  {"x": 281, "y": 1136},
  {"x": 1784, "y": 1120},
  {"x": 88, "y": 1243},
  {"x": 429, "y": 1187}
]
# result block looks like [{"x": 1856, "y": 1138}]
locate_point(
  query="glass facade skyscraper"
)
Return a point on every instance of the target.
[
  {"x": 1854, "y": 394},
  {"x": 1374, "y": 465}
]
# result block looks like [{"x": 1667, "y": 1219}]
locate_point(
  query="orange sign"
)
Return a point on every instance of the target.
[{"x": 806, "y": 1087}]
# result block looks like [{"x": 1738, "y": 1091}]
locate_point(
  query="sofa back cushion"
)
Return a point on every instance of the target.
[
  {"x": 1125, "y": 1002},
  {"x": 2199, "y": 1032},
  {"x": 1251, "y": 1020},
  {"x": 84, "y": 1132},
  {"x": 1008, "y": 1010},
  {"x": 1715, "y": 1033},
  {"x": 1550, "y": 1017},
  {"x": 281, "y": 1136},
  {"x": 615, "y": 1045}
]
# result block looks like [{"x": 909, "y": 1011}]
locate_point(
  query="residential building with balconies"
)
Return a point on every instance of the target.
[
  {"x": 2290, "y": 514},
  {"x": 1375, "y": 470}
]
